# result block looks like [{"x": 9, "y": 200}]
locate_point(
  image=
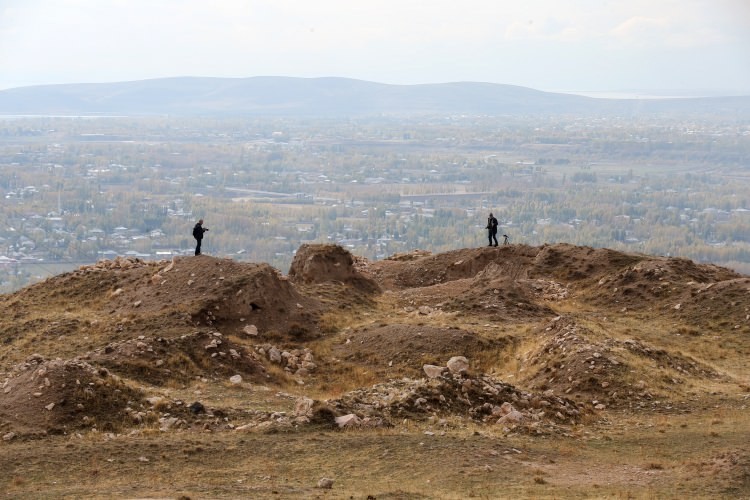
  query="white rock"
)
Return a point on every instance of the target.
[
  {"x": 167, "y": 423},
  {"x": 250, "y": 330},
  {"x": 309, "y": 366},
  {"x": 274, "y": 355},
  {"x": 325, "y": 483},
  {"x": 433, "y": 371},
  {"x": 236, "y": 379},
  {"x": 350, "y": 420},
  {"x": 303, "y": 407},
  {"x": 513, "y": 417},
  {"x": 458, "y": 364},
  {"x": 50, "y": 406},
  {"x": 504, "y": 409}
]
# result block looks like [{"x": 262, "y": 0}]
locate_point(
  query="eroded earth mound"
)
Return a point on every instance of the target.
[{"x": 554, "y": 336}]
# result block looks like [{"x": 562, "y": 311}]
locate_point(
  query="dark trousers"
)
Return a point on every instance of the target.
[
  {"x": 198, "y": 246},
  {"x": 492, "y": 235}
]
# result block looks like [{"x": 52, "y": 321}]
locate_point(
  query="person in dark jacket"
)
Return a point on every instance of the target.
[
  {"x": 492, "y": 229},
  {"x": 198, "y": 231}
]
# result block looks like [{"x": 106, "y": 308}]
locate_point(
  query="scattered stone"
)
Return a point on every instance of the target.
[
  {"x": 350, "y": 420},
  {"x": 512, "y": 417},
  {"x": 325, "y": 483},
  {"x": 250, "y": 330},
  {"x": 235, "y": 379},
  {"x": 433, "y": 371},
  {"x": 154, "y": 400},
  {"x": 167, "y": 423},
  {"x": 458, "y": 364},
  {"x": 303, "y": 407},
  {"x": 274, "y": 355},
  {"x": 197, "y": 408}
]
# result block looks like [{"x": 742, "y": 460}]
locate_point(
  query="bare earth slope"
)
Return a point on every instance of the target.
[{"x": 482, "y": 368}]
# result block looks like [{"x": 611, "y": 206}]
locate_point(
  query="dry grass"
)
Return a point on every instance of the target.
[
  {"x": 464, "y": 463},
  {"x": 687, "y": 438}
]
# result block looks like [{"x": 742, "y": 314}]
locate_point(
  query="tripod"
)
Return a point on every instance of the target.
[{"x": 506, "y": 239}]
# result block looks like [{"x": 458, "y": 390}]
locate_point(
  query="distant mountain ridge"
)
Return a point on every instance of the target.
[{"x": 331, "y": 96}]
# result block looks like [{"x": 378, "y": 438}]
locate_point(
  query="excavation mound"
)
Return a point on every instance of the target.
[
  {"x": 609, "y": 373},
  {"x": 159, "y": 361},
  {"x": 479, "y": 398},
  {"x": 401, "y": 349},
  {"x": 124, "y": 299},
  {"x": 318, "y": 263},
  {"x": 54, "y": 396}
]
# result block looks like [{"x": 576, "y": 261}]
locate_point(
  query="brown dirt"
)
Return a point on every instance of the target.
[
  {"x": 54, "y": 397},
  {"x": 617, "y": 344},
  {"x": 401, "y": 349},
  {"x": 328, "y": 263},
  {"x": 157, "y": 361}
]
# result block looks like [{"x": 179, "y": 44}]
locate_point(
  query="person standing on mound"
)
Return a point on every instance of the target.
[
  {"x": 492, "y": 229},
  {"x": 198, "y": 231}
]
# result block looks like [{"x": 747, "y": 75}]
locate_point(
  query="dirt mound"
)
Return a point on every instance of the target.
[
  {"x": 158, "y": 361},
  {"x": 319, "y": 263},
  {"x": 419, "y": 269},
  {"x": 216, "y": 292},
  {"x": 567, "y": 262},
  {"x": 607, "y": 372},
  {"x": 656, "y": 281},
  {"x": 54, "y": 396},
  {"x": 479, "y": 398},
  {"x": 126, "y": 298},
  {"x": 401, "y": 349},
  {"x": 715, "y": 306},
  {"x": 569, "y": 362},
  {"x": 561, "y": 262},
  {"x": 491, "y": 294},
  {"x": 333, "y": 276}
]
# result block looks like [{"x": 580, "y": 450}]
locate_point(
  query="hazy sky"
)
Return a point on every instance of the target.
[{"x": 685, "y": 45}]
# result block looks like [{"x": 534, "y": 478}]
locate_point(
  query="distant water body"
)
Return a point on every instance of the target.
[{"x": 634, "y": 94}]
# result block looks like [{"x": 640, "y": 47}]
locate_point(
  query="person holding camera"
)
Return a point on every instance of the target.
[
  {"x": 492, "y": 229},
  {"x": 198, "y": 231}
]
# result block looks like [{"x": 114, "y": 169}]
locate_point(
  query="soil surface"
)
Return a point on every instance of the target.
[{"x": 452, "y": 374}]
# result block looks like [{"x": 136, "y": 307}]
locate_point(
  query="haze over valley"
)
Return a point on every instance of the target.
[{"x": 664, "y": 177}]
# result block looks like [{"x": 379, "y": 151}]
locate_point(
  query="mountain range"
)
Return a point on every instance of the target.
[{"x": 332, "y": 97}]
